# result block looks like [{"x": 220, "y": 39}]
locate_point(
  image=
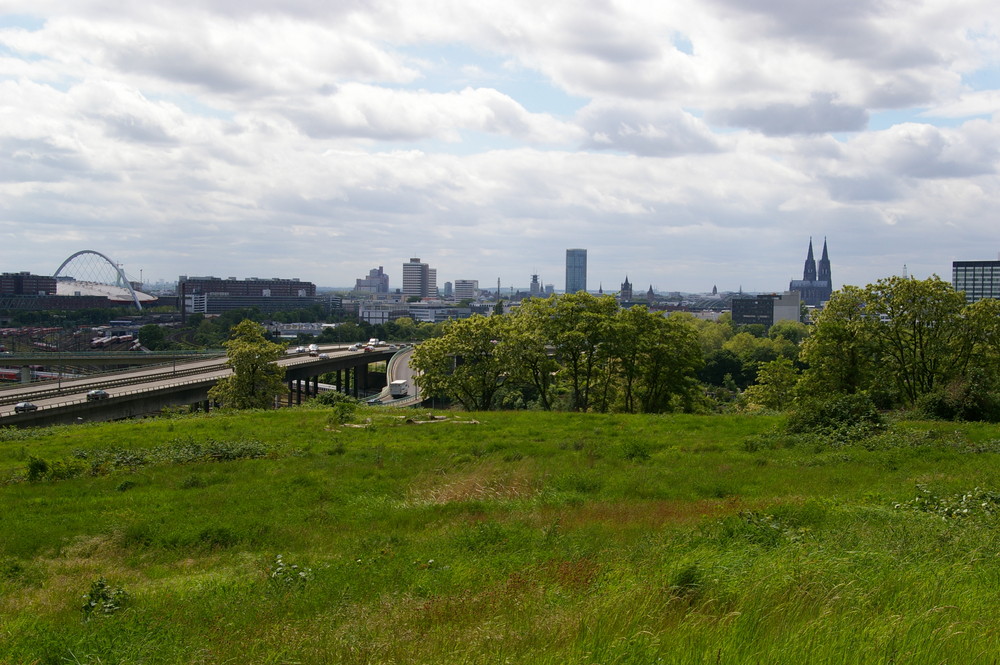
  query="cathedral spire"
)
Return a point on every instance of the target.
[
  {"x": 809, "y": 272},
  {"x": 824, "y": 266}
]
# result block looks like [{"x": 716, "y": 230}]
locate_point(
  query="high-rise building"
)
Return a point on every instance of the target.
[
  {"x": 978, "y": 279},
  {"x": 419, "y": 279},
  {"x": 376, "y": 282},
  {"x": 815, "y": 288},
  {"x": 576, "y": 270},
  {"x": 466, "y": 289},
  {"x": 447, "y": 290}
]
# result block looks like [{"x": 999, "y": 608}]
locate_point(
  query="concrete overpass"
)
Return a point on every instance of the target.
[{"x": 148, "y": 390}]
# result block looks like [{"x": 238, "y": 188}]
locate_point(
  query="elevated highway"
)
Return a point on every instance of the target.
[{"x": 147, "y": 390}]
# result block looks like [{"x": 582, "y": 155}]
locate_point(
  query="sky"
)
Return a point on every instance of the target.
[{"x": 686, "y": 145}]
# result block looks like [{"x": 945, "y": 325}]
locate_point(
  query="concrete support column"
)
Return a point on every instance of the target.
[
  {"x": 290, "y": 391},
  {"x": 25, "y": 374}
]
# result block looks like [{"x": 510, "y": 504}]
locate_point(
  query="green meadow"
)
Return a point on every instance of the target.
[{"x": 284, "y": 537}]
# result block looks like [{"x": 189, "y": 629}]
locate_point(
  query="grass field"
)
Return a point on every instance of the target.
[{"x": 281, "y": 537}]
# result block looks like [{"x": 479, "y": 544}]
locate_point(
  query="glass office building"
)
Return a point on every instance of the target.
[
  {"x": 979, "y": 279},
  {"x": 576, "y": 270}
]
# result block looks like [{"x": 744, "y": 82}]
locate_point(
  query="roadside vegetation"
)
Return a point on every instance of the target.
[{"x": 363, "y": 535}]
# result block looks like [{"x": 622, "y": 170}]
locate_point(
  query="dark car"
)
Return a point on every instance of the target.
[
  {"x": 24, "y": 407},
  {"x": 95, "y": 395}
]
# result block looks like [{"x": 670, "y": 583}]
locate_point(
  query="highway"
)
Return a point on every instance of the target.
[{"x": 51, "y": 395}]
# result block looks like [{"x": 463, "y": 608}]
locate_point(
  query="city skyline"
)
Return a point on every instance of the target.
[{"x": 686, "y": 146}]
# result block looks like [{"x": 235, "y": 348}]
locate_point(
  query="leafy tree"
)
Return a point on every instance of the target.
[
  {"x": 842, "y": 351},
  {"x": 256, "y": 380},
  {"x": 793, "y": 331},
  {"x": 775, "y": 387},
  {"x": 530, "y": 356},
  {"x": 468, "y": 363},
  {"x": 910, "y": 336},
  {"x": 575, "y": 325},
  {"x": 152, "y": 337}
]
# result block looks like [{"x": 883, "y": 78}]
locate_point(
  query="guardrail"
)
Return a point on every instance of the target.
[{"x": 111, "y": 383}]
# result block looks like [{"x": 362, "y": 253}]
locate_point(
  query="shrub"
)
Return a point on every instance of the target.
[
  {"x": 37, "y": 469},
  {"x": 849, "y": 416},
  {"x": 961, "y": 399}
]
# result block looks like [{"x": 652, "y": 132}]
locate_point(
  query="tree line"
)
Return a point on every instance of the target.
[{"x": 900, "y": 342}]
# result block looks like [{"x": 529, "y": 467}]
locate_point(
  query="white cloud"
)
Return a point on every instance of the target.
[{"x": 222, "y": 136}]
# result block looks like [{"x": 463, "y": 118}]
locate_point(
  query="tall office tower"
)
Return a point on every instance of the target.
[
  {"x": 576, "y": 270},
  {"x": 466, "y": 289},
  {"x": 535, "y": 289},
  {"x": 419, "y": 280},
  {"x": 978, "y": 279},
  {"x": 447, "y": 290}
]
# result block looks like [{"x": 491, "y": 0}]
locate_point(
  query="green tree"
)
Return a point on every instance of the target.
[
  {"x": 256, "y": 379},
  {"x": 152, "y": 337},
  {"x": 468, "y": 363},
  {"x": 775, "y": 387},
  {"x": 576, "y": 325},
  {"x": 910, "y": 336}
]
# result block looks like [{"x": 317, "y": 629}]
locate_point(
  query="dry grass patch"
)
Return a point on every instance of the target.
[{"x": 486, "y": 481}]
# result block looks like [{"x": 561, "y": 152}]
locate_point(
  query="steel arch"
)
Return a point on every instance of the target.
[{"x": 122, "y": 279}]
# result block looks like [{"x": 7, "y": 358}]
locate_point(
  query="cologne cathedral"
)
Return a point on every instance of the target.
[{"x": 814, "y": 287}]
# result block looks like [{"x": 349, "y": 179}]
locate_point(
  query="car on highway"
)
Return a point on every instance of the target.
[
  {"x": 97, "y": 395},
  {"x": 324, "y": 356},
  {"x": 25, "y": 407}
]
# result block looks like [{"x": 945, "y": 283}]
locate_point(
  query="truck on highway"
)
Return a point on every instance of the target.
[
  {"x": 399, "y": 388},
  {"x": 313, "y": 349}
]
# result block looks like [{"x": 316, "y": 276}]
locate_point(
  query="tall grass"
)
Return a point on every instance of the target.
[{"x": 528, "y": 538}]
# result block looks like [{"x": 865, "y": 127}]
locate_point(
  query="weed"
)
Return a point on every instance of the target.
[
  {"x": 103, "y": 599},
  {"x": 635, "y": 451},
  {"x": 192, "y": 481},
  {"x": 287, "y": 577},
  {"x": 125, "y": 485}
]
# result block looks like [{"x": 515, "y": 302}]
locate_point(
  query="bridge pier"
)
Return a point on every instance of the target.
[{"x": 25, "y": 374}]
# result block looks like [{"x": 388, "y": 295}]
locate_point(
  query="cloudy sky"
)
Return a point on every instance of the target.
[{"x": 687, "y": 144}]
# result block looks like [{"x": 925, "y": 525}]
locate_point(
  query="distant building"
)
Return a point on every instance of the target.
[
  {"x": 576, "y": 270},
  {"x": 26, "y": 284},
  {"x": 625, "y": 293},
  {"x": 815, "y": 287},
  {"x": 767, "y": 309},
  {"x": 448, "y": 292},
  {"x": 377, "y": 281},
  {"x": 535, "y": 289},
  {"x": 214, "y": 295},
  {"x": 419, "y": 279},
  {"x": 466, "y": 289},
  {"x": 980, "y": 280}
]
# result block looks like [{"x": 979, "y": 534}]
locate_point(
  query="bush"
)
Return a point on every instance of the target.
[
  {"x": 962, "y": 399},
  {"x": 851, "y": 416}
]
